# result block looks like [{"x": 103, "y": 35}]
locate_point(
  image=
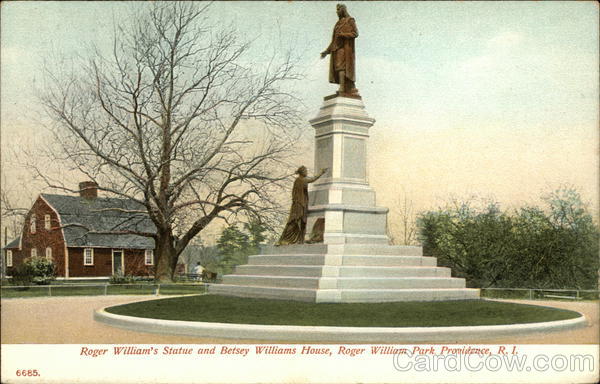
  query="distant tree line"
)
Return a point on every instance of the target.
[{"x": 555, "y": 246}]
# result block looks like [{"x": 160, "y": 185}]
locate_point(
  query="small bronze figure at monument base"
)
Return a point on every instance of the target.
[
  {"x": 295, "y": 228},
  {"x": 341, "y": 49},
  {"x": 318, "y": 231}
]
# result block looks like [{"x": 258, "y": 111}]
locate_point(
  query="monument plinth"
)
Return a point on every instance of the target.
[
  {"x": 354, "y": 261},
  {"x": 342, "y": 196}
]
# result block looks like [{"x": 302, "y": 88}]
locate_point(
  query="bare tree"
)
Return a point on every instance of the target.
[
  {"x": 179, "y": 119},
  {"x": 12, "y": 214},
  {"x": 404, "y": 221}
]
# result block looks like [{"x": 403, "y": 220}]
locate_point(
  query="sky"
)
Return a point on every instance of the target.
[{"x": 488, "y": 99}]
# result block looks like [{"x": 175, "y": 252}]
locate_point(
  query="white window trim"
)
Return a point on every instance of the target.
[
  {"x": 91, "y": 254},
  {"x": 9, "y": 260},
  {"x": 33, "y": 253},
  {"x": 32, "y": 227},
  {"x": 47, "y": 222},
  {"x": 151, "y": 253},
  {"x": 49, "y": 253}
]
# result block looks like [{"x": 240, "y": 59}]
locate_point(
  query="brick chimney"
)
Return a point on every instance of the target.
[{"x": 88, "y": 189}]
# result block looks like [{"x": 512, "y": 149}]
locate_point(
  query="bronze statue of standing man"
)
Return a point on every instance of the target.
[{"x": 341, "y": 49}]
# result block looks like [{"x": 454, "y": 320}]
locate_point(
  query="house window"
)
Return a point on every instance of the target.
[
  {"x": 46, "y": 221},
  {"x": 149, "y": 257},
  {"x": 88, "y": 256},
  {"x": 33, "y": 253},
  {"x": 9, "y": 258},
  {"x": 49, "y": 254},
  {"x": 32, "y": 224}
]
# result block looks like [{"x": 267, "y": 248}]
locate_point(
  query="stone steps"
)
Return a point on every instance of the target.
[
  {"x": 380, "y": 249},
  {"x": 332, "y": 273},
  {"x": 389, "y": 261},
  {"x": 346, "y": 295},
  {"x": 264, "y": 292},
  {"x": 349, "y": 260},
  {"x": 309, "y": 249},
  {"x": 272, "y": 281},
  {"x": 301, "y": 259},
  {"x": 280, "y": 270},
  {"x": 344, "y": 271},
  {"x": 346, "y": 249},
  {"x": 404, "y": 271},
  {"x": 344, "y": 282},
  {"x": 383, "y": 295},
  {"x": 397, "y": 282}
]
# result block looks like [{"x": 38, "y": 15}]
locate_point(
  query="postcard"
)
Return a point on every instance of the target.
[{"x": 299, "y": 191}]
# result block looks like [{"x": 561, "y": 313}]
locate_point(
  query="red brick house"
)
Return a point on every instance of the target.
[{"x": 86, "y": 236}]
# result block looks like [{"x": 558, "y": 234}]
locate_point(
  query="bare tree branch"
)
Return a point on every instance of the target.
[{"x": 177, "y": 119}]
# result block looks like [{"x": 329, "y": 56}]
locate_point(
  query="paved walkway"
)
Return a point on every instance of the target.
[
  {"x": 587, "y": 335},
  {"x": 69, "y": 320}
]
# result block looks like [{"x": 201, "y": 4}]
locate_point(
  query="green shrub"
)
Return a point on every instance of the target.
[
  {"x": 21, "y": 275},
  {"x": 128, "y": 279},
  {"x": 34, "y": 270},
  {"x": 554, "y": 246},
  {"x": 119, "y": 279}
]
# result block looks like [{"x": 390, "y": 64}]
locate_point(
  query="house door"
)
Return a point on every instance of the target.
[{"x": 117, "y": 256}]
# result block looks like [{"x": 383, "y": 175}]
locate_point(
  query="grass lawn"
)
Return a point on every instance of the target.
[
  {"x": 221, "y": 309},
  {"x": 32, "y": 291}
]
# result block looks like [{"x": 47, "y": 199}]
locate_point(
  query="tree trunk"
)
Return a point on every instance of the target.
[{"x": 166, "y": 257}]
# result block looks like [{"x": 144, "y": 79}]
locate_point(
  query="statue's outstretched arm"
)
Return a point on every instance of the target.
[
  {"x": 327, "y": 50},
  {"x": 315, "y": 178}
]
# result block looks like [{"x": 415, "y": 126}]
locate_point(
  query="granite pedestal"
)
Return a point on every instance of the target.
[{"x": 355, "y": 262}]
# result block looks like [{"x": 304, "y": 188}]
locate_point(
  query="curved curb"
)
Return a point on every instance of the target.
[{"x": 330, "y": 334}]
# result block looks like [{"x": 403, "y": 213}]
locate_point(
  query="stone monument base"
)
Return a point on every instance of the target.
[
  {"x": 354, "y": 262},
  {"x": 343, "y": 273}
]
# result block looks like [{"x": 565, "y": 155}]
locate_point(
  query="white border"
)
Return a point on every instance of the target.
[{"x": 330, "y": 334}]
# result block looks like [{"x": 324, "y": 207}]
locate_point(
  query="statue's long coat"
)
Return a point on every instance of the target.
[
  {"x": 295, "y": 228},
  {"x": 344, "y": 33}
]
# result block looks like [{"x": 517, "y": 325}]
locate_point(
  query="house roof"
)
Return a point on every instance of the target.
[
  {"x": 93, "y": 222},
  {"x": 14, "y": 243}
]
